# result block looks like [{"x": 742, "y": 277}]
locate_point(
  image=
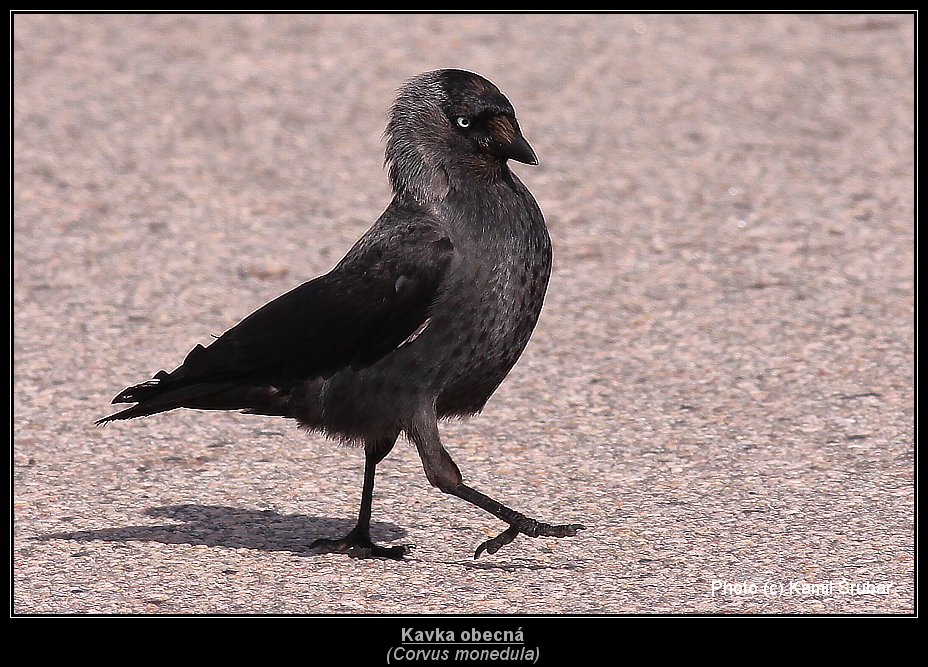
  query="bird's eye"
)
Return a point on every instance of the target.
[{"x": 462, "y": 121}]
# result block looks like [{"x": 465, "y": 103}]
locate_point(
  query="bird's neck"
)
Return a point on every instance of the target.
[{"x": 431, "y": 183}]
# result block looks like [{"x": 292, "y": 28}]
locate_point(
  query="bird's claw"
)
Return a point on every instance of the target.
[{"x": 528, "y": 527}]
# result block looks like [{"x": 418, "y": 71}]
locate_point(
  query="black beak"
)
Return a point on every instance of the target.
[{"x": 519, "y": 150}]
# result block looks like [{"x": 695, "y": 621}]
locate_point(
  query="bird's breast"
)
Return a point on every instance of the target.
[{"x": 500, "y": 279}]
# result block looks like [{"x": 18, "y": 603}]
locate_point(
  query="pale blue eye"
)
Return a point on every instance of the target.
[{"x": 462, "y": 121}]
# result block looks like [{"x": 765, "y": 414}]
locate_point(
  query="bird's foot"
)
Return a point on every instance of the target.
[
  {"x": 529, "y": 527},
  {"x": 358, "y": 544}
]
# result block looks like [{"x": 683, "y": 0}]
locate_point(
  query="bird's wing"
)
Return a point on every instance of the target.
[{"x": 369, "y": 304}]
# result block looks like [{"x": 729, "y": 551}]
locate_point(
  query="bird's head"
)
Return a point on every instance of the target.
[{"x": 451, "y": 126}]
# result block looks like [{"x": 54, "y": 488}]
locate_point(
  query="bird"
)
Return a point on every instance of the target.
[{"x": 419, "y": 322}]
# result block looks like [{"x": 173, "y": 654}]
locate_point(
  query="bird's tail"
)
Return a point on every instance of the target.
[{"x": 164, "y": 392}]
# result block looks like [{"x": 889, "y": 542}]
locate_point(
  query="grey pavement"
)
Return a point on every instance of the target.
[{"x": 721, "y": 385}]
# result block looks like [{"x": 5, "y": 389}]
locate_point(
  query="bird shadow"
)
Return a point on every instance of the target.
[
  {"x": 217, "y": 526},
  {"x": 524, "y": 565}
]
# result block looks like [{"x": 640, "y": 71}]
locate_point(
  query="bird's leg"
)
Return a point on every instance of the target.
[
  {"x": 443, "y": 473},
  {"x": 358, "y": 542}
]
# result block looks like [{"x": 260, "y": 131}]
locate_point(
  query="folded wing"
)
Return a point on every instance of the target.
[{"x": 367, "y": 306}]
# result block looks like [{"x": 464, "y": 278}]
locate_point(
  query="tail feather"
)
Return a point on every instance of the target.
[
  {"x": 140, "y": 392},
  {"x": 161, "y": 395},
  {"x": 129, "y": 413}
]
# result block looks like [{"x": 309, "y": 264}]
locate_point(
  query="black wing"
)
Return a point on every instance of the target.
[{"x": 376, "y": 297}]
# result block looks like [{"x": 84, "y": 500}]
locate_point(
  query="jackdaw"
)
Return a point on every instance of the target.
[{"x": 420, "y": 321}]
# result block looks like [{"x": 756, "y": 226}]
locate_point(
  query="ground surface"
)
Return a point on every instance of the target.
[{"x": 720, "y": 386}]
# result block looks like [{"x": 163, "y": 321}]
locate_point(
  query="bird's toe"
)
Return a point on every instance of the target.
[{"x": 356, "y": 547}]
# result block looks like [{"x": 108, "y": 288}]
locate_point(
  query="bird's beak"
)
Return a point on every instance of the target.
[
  {"x": 520, "y": 150},
  {"x": 506, "y": 140}
]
